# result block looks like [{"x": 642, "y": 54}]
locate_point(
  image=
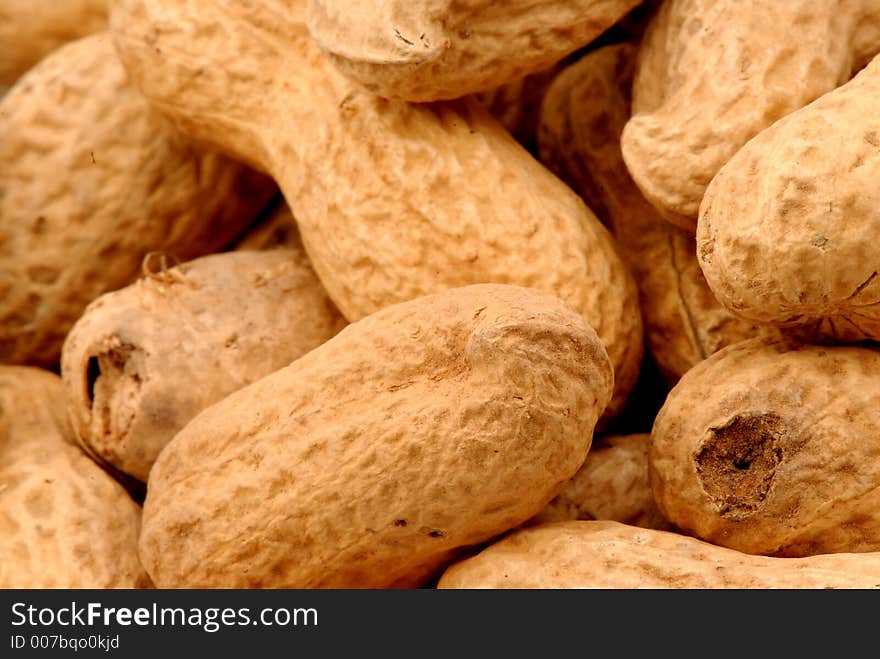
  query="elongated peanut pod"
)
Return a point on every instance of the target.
[
  {"x": 613, "y": 555},
  {"x": 424, "y": 428},
  {"x": 393, "y": 200}
]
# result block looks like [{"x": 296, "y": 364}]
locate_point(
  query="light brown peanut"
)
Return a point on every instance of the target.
[
  {"x": 788, "y": 228},
  {"x": 419, "y": 430},
  {"x": 584, "y": 554},
  {"x": 774, "y": 448},
  {"x": 144, "y": 360}
]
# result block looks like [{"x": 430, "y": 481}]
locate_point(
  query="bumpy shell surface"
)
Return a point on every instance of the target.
[
  {"x": 144, "y": 360},
  {"x": 582, "y": 117},
  {"x": 428, "y": 50},
  {"x": 613, "y": 484},
  {"x": 714, "y": 73},
  {"x": 31, "y": 29},
  {"x": 277, "y": 230},
  {"x": 788, "y": 230},
  {"x": 774, "y": 448},
  {"x": 424, "y": 428},
  {"x": 91, "y": 180},
  {"x": 64, "y": 523},
  {"x": 584, "y": 554},
  {"x": 393, "y": 200}
]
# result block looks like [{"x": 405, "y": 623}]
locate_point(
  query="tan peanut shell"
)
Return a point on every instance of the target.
[
  {"x": 788, "y": 229},
  {"x": 428, "y": 50},
  {"x": 144, "y": 360},
  {"x": 393, "y": 200},
  {"x": 712, "y": 74},
  {"x": 91, "y": 180},
  {"x": 583, "y": 554},
  {"x": 31, "y": 29},
  {"x": 774, "y": 448},
  {"x": 424, "y": 428},
  {"x": 64, "y": 522},
  {"x": 612, "y": 484},
  {"x": 277, "y": 230},
  {"x": 581, "y": 119}
]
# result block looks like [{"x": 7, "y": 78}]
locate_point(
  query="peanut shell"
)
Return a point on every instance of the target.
[
  {"x": 788, "y": 228},
  {"x": 582, "y": 117},
  {"x": 773, "y": 447},
  {"x": 583, "y": 554},
  {"x": 31, "y": 29},
  {"x": 613, "y": 484},
  {"x": 144, "y": 360},
  {"x": 370, "y": 462}
]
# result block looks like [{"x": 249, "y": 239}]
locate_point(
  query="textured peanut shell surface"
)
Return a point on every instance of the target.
[
  {"x": 426, "y": 427},
  {"x": 714, "y": 73},
  {"x": 788, "y": 229},
  {"x": 774, "y": 448},
  {"x": 144, "y": 360},
  {"x": 583, "y": 554},
  {"x": 428, "y": 50},
  {"x": 64, "y": 523},
  {"x": 582, "y": 116},
  {"x": 613, "y": 484},
  {"x": 31, "y": 29},
  {"x": 393, "y": 200},
  {"x": 91, "y": 180}
]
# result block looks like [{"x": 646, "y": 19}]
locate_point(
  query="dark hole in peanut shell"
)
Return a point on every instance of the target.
[{"x": 737, "y": 463}]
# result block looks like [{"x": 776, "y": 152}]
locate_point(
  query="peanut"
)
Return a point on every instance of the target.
[
  {"x": 31, "y": 29},
  {"x": 613, "y": 484},
  {"x": 143, "y": 360},
  {"x": 584, "y": 554},
  {"x": 582, "y": 117},
  {"x": 424, "y": 428}
]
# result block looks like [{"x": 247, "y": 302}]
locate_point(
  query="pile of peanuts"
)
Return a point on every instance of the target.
[{"x": 434, "y": 294}]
